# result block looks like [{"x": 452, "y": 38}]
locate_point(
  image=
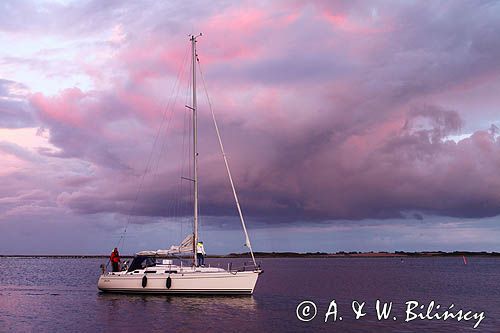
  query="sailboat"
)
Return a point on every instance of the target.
[{"x": 160, "y": 272}]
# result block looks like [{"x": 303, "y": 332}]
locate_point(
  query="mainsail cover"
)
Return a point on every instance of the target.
[{"x": 186, "y": 246}]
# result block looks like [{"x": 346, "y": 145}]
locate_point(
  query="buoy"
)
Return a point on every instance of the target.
[
  {"x": 144, "y": 281},
  {"x": 169, "y": 282}
]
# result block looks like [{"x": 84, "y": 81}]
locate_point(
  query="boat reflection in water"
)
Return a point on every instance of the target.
[
  {"x": 230, "y": 302},
  {"x": 169, "y": 313}
]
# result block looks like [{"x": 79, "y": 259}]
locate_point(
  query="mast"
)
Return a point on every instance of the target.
[
  {"x": 195, "y": 148},
  {"x": 195, "y": 159}
]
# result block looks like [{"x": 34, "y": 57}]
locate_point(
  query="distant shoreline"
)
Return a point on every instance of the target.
[{"x": 397, "y": 254}]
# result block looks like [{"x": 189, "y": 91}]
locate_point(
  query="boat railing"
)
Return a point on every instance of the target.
[{"x": 242, "y": 268}]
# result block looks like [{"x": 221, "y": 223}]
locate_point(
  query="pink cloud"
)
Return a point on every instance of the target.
[
  {"x": 324, "y": 119},
  {"x": 63, "y": 108}
]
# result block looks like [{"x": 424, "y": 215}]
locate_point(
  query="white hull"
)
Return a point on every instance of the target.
[{"x": 189, "y": 280}]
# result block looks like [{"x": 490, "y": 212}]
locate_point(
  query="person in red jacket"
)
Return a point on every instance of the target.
[{"x": 115, "y": 260}]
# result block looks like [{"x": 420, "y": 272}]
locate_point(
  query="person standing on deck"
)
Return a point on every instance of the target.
[
  {"x": 200, "y": 254},
  {"x": 115, "y": 260}
]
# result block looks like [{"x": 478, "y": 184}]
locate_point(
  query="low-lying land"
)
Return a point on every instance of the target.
[{"x": 340, "y": 254}]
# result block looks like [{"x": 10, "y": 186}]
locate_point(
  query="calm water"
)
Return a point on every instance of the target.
[{"x": 60, "y": 295}]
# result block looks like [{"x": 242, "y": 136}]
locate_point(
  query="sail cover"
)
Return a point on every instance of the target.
[{"x": 186, "y": 246}]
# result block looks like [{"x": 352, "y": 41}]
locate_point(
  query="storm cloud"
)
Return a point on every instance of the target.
[{"x": 329, "y": 110}]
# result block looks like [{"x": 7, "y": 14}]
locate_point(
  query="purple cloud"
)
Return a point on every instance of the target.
[{"x": 328, "y": 110}]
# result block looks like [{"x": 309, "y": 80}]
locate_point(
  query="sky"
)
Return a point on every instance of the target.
[{"x": 348, "y": 125}]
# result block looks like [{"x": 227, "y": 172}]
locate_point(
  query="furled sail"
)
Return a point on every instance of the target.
[{"x": 186, "y": 246}]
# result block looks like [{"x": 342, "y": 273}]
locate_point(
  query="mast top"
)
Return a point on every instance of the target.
[{"x": 193, "y": 37}]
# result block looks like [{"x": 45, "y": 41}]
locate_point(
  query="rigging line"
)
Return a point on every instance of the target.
[
  {"x": 163, "y": 149},
  {"x": 147, "y": 169},
  {"x": 190, "y": 191},
  {"x": 177, "y": 206},
  {"x": 180, "y": 204},
  {"x": 164, "y": 145},
  {"x": 148, "y": 164},
  {"x": 185, "y": 160},
  {"x": 247, "y": 239}
]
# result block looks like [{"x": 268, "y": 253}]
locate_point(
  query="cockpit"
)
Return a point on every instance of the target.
[{"x": 141, "y": 262}]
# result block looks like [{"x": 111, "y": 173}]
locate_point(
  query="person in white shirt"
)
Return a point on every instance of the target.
[{"x": 200, "y": 254}]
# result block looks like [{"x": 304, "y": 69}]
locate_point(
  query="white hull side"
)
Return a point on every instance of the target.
[{"x": 219, "y": 282}]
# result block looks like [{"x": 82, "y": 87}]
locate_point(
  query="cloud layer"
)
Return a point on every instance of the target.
[{"x": 329, "y": 110}]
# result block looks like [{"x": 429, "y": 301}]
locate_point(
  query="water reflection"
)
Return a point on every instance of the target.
[
  {"x": 236, "y": 303},
  {"x": 197, "y": 312},
  {"x": 61, "y": 295}
]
